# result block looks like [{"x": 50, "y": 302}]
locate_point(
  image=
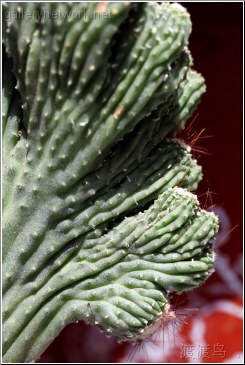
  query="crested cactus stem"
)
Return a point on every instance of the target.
[
  {"x": 100, "y": 219},
  {"x": 168, "y": 250}
]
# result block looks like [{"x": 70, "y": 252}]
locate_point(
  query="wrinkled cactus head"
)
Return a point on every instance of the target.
[{"x": 99, "y": 223}]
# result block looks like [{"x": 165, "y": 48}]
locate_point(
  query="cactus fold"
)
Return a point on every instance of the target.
[{"x": 99, "y": 223}]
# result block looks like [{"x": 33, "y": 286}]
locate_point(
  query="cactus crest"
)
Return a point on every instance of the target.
[{"x": 99, "y": 221}]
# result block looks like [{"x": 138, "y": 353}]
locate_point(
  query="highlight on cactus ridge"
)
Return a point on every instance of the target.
[{"x": 99, "y": 221}]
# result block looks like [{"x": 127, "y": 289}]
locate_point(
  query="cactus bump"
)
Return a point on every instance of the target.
[{"x": 100, "y": 222}]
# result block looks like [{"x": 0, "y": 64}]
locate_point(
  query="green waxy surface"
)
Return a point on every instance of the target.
[{"x": 98, "y": 221}]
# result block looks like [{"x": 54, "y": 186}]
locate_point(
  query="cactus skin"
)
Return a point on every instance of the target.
[{"x": 98, "y": 221}]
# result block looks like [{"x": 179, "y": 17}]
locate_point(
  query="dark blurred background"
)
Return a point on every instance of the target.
[{"x": 215, "y": 330}]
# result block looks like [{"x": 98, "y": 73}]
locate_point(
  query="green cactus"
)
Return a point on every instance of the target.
[{"x": 98, "y": 221}]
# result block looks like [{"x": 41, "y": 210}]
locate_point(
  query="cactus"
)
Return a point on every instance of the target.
[{"x": 99, "y": 223}]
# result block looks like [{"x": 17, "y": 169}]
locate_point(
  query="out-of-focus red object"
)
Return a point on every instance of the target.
[{"x": 214, "y": 332}]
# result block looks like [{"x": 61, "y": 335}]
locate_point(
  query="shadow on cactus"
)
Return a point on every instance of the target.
[{"x": 99, "y": 223}]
